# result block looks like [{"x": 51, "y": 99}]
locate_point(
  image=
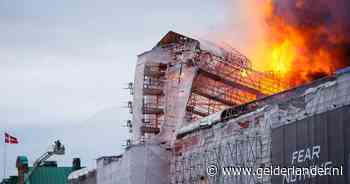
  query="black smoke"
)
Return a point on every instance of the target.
[{"x": 326, "y": 22}]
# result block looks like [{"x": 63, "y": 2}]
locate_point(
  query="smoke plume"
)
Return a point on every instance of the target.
[{"x": 300, "y": 40}]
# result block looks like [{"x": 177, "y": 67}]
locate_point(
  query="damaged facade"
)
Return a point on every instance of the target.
[
  {"x": 196, "y": 104},
  {"x": 314, "y": 115}
]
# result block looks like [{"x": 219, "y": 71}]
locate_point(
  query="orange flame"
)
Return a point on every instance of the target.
[
  {"x": 282, "y": 57},
  {"x": 285, "y": 49}
]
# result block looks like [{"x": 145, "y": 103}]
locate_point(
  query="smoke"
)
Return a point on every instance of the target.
[
  {"x": 301, "y": 39},
  {"x": 325, "y": 25}
]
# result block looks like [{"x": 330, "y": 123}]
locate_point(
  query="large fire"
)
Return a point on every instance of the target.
[
  {"x": 302, "y": 40},
  {"x": 292, "y": 54}
]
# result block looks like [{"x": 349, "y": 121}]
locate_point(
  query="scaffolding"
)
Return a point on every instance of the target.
[
  {"x": 153, "y": 102},
  {"x": 221, "y": 81}
]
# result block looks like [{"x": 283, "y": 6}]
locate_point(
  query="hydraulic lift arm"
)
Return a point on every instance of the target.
[{"x": 56, "y": 149}]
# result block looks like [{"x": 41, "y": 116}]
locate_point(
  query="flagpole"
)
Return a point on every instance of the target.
[{"x": 5, "y": 161}]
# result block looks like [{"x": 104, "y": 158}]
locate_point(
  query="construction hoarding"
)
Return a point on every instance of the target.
[{"x": 321, "y": 140}]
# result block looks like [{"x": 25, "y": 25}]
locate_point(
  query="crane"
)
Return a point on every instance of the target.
[{"x": 56, "y": 149}]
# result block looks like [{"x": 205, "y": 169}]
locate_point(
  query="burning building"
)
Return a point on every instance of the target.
[
  {"x": 196, "y": 104},
  {"x": 182, "y": 80}
]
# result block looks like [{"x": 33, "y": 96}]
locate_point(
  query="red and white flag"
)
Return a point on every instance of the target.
[{"x": 10, "y": 139}]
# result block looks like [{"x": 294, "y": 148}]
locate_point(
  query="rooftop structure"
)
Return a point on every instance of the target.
[
  {"x": 82, "y": 176},
  {"x": 182, "y": 80}
]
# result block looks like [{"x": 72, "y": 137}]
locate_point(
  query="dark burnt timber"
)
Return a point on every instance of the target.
[
  {"x": 216, "y": 98},
  {"x": 229, "y": 82}
]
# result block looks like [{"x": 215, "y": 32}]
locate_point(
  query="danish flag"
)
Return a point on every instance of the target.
[{"x": 10, "y": 139}]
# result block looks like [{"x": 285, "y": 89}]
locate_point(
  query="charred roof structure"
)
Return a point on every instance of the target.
[{"x": 182, "y": 80}]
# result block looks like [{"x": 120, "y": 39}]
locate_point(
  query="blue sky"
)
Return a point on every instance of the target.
[{"x": 64, "y": 64}]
